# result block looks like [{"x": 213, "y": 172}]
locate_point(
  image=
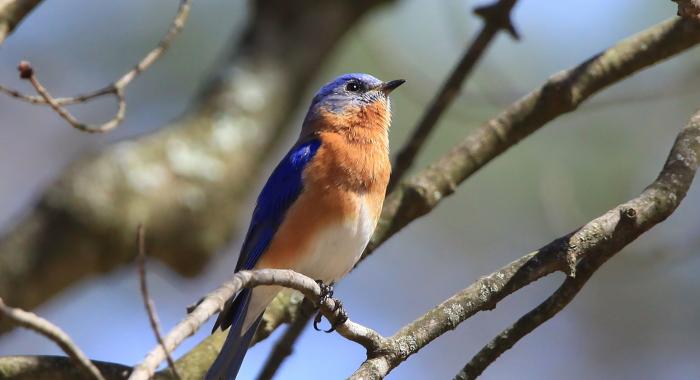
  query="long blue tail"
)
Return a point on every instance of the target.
[{"x": 230, "y": 358}]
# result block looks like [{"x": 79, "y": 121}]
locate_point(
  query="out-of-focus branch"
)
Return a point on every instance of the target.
[
  {"x": 496, "y": 17},
  {"x": 214, "y": 302},
  {"x": 187, "y": 181},
  {"x": 561, "y": 94},
  {"x": 40, "y": 325},
  {"x": 596, "y": 241},
  {"x": 12, "y": 12},
  {"x": 43, "y": 367},
  {"x": 147, "y": 301},
  {"x": 115, "y": 88}
]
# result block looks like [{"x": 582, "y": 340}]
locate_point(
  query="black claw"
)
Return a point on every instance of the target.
[
  {"x": 317, "y": 320},
  {"x": 340, "y": 315}
]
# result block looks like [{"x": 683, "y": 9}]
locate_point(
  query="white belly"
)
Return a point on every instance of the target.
[
  {"x": 337, "y": 248},
  {"x": 330, "y": 256}
]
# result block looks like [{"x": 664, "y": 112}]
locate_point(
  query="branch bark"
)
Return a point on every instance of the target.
[
  {"x": 12, "y": 12},
  {"x": 185, "y": 182},
  {"x": 587, "y": 247}
]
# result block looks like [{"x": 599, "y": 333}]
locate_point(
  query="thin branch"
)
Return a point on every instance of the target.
[
  {"x": 115, "y": 88},
  {"x": 533, "y": 319},
  {"x": 496, "y": 17},
  {"x": 598, "y": 240},
  {"x": 147, "y": 301},
  {"x": 42, "y": 326},
  {"x": 12, "y": 12},
  {"x": 214, "y": 302}
]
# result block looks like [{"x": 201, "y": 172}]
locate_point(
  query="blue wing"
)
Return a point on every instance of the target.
[{"x": 281, "y": 190}]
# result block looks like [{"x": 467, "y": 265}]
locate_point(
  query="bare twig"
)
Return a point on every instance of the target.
[
  {"x": 496, "y": 17},
  {"x": 12, "y": 12},
  {"x": 115, "y": 88},
  {"x": 42, "y": 326},
  {"x": 147, "y": 301},
  {"x": 214, "y": 302},
  {"x": 596, "y": 241}
]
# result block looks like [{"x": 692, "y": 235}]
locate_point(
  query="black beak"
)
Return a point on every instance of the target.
[{"x": 391, "y": 85}]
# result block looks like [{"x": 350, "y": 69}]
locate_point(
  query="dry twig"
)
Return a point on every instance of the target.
[
  {"x": 147, "y": 301},
  {"x": 115, "y": 88}
]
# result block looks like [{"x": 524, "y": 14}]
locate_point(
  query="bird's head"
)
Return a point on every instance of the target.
[{"x": 352, "y": 101}]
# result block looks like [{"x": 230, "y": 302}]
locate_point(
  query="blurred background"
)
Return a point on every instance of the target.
[{"x": 637, "y": 317}]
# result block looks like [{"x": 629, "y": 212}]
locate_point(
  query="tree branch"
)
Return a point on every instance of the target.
[
  {"x": 44, "y": 367},
  {"x": 496, "y": 17},
  {"x": 115, "y": 88},
  {"x": 12, "y": 12},
  {"x": 214, "y": 303},
  {"x": 596, "y": 241},
  {"x": 40, "y": 325},
  {"x": 147, "y": 301}
]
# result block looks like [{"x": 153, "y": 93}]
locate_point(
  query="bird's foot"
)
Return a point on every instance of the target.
[{"x": 341, "y": 316}]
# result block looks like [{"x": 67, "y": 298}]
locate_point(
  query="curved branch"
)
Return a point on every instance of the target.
[
  {"x": 115, "y": 88},
  {"x": 40, "y": 367},
  {"x": 40, "y": 325},
  {"x": 214, "y": 303},
  {"x": 596, "y": 241}
]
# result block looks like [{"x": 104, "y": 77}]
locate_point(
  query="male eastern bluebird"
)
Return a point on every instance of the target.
[{"x": 320, "y": 206}]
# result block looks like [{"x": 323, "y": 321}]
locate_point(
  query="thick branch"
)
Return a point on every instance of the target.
[
  {"x": 43, "y": 367},
  {"x": 598, "y": 240},
  {"x": 187, "y": 181},
  {"x": 12, "y": 12}
]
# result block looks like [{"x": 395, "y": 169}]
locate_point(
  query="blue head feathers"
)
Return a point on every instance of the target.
[{"x": 348, "y": 90}]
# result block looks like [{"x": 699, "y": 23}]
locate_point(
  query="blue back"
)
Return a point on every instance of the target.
[{"x": 281, "y": 190}]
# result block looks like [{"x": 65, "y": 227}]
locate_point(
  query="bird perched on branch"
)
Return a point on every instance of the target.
[{"x": 320, "y": 206}]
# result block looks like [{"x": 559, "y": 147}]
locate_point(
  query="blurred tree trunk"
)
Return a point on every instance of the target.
[{"x": 186, "y": 181}]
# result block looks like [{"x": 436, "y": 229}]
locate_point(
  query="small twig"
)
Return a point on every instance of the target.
[
  {"x": 496, "y": 17},
  {"x": 42, "y": 326},
  {"x": 115, "y": 88},
  {"x": 214, "y": 302},
  {"x": 147, "y": 301}
]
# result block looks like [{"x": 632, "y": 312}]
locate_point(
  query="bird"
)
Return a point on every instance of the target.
[{"x": 319, "y": 207}]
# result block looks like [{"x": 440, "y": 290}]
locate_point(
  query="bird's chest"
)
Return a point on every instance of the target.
[{"x": 337, "y": 246}]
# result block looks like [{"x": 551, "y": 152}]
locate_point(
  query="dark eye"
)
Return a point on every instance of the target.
[{"x": 353, "y": 87}]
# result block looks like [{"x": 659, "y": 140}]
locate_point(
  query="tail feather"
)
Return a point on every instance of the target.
[{"x": 233, "y": 351}]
